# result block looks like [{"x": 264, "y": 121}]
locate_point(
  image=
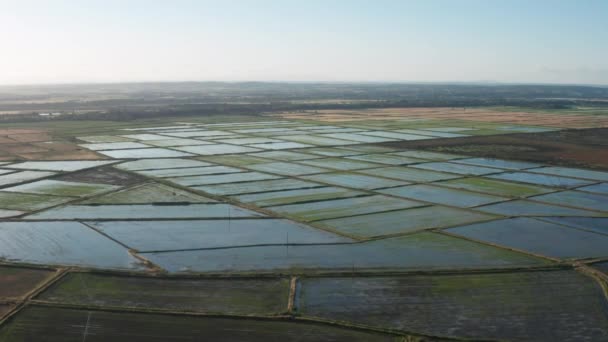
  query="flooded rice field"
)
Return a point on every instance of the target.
[{"x": 278, "y": 226}]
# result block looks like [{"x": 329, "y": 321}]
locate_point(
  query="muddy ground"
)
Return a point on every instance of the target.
[{"x": 573, "y": 147}]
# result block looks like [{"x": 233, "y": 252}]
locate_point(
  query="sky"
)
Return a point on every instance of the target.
[{"x": 514, "y": 41}]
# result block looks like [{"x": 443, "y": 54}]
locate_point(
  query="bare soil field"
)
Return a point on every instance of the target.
[
  {"x": 573, "y": 147},
  {"x": 565, "y": 119}
]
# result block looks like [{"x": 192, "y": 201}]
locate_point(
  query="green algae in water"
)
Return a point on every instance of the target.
[
  {"x": 403, "y": 221},
  {"x": 257, "y": 187},
  {"x": 541, "y": 306},
  {"x": 499, "y": 163},
  {"x": 410, "y": 174},
  {"x": 61, "y": 325},
  {"x": 457, "y": 168},
  {"x": 189, "y": 171},
  {"x": 229, "y": 296},
  {"x": 314, "y": 211},
  {"x": 538, "y": 237},
  {"x": 529, "y": 208},
  {"x": 496, "y": 187},
  {"x": 221, "y": 179},
  {"x": 27, "y": 202},
  {"x": 413, "y": 252},
  {"x": 439, "y": 195},
  {"x": 265, "y": 199},
  {"x": 62, "y": 188},
  {"x": 235, "y": 160},
  {"x": 145, "y": 211},
  {"x": 149, "y": 193}
]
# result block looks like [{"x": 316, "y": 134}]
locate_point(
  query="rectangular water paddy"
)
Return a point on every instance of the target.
[
  {"x": 525, "y": 129},
  {"x": 365, "y": 149},
  {"x": 529, "y": 208},
  {"x": 410, "y": 174},
  {"x": 104, "y": 139},
  {"x": 457, "y": 168},
  {"x": 145, "y": 136},
  {"x": 447, "y": 129},
  {"x": 575, "y": 173},
  {"x": 63, "y": 325},
  {"x": 266, "y": 199},
  {"x": 66, "y": 166},
  {"x": 204, "y": 234},
  {"x": 357, "y": 137},
  {"x": 205, "y": 150},
  {"x": 61, "y": 243},
  {"x": 149, "y": 193},
  {"x": 247, "y": 141},
  {"x": 263, "y": 296},
  {"x": 396, "y": 135},
  {"x": 339, "y": 163},
  {"x": 176, "y": 142},
  {"x": 576, "y": 199},
  {"x": 143, "y": 211},
  {"x": 402, "y": 221},
  {"x": 155, "y": 164},
  {"x": 314, "y": 211},
  {"x": 288, "y": 169},
  {"x": 190, "y": 171},
  {"x": 428, "y": 155},
  {"x": 235, "y": 160},
  {"x": 496, "y": 187},
  {"x": 331, "y": 152},
  {"x": 113, "y": 146},
  {"x": 200, "y": 133},
  {"x": 413, "y": 252},
  {"x": 152, "y": 152},
  {"x": 540, "y": 179},
  {"x": 439, "y": 195},
  {"x": 352, "y": 180},
  {"x": 389, "y": 159},
  {"x": 257, "y": 187},
  {"x": 316, "y": 140},
  {"x": 433, "y": 134},
  {"x": 538, "y": 237},
  {"x": 541, "y": 306},
  {"x": 61, "y": 188},
  {"x": 280, "y": 145},
  {"x": 284, "y": 155},
  {"x": 16, "y": 282},
  {"x": 28, "y": 202},
  {"x": 594, "y": 224},
  {"x": 499, "y": 163},
  {"x": 220, "y": 179},
  {"x": 601, "y": 188}
]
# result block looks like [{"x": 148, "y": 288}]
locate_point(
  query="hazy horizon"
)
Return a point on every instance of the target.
[{"x": 516, "y": 42}]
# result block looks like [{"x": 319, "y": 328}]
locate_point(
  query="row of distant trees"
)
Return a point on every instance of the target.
[{"x": 128, "y": 114}]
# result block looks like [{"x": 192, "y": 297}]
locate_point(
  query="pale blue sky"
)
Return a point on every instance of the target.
[{"x": 544, "y": 41}]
